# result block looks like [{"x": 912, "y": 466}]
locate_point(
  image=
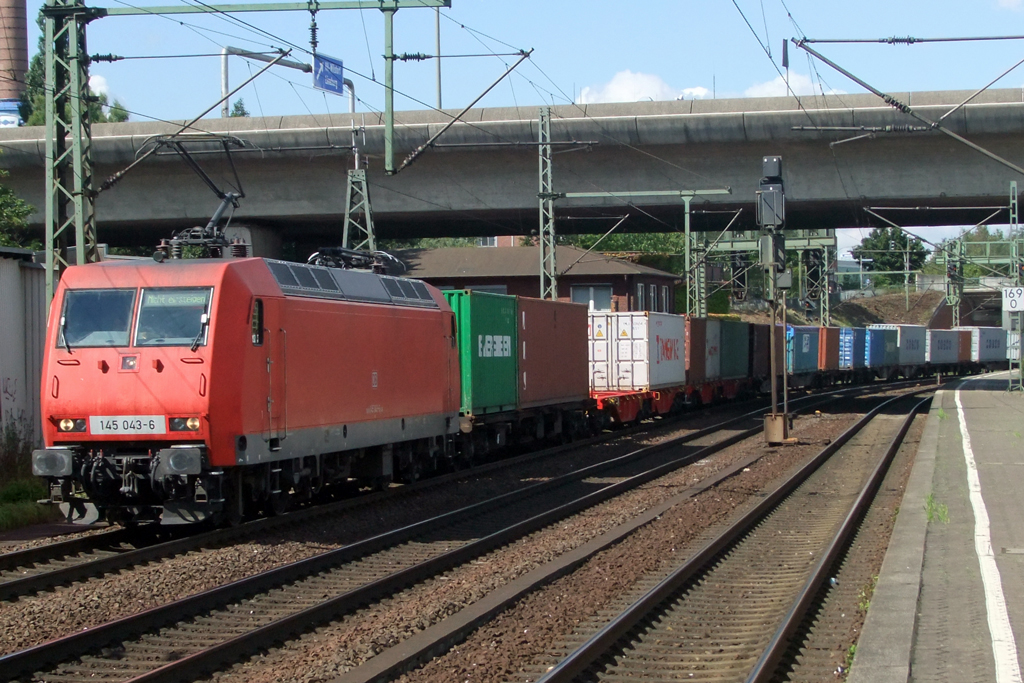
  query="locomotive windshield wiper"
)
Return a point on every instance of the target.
[
  {"x": 64, "y": 337},
  {"x": 204, "y": 320}
]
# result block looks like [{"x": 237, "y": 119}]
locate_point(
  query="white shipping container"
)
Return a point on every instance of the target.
[
  {"x": 912, "y": 340},
  {"x": 712, "y": 350},
  {"x": 636, "y": 351},
  {"x": 942, "y": 347},
  {"x": 1013, "y": 345},
  {"x": 988, "y": 344}
]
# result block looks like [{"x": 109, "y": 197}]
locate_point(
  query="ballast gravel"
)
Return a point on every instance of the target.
[
  {"x": 35, "y": 619},
  {"x": 494, "y": 651}
]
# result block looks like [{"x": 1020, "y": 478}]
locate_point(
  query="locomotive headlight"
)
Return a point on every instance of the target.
[
  {"x": 184, "y": 424},
  {"x": 69, "y": 425}
]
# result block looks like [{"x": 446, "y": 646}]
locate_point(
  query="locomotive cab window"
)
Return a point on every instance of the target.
[
  {"x": 174, "y": 317},
  {"x": 257, "y": 322},
  {"x": 96, "y": 317}
]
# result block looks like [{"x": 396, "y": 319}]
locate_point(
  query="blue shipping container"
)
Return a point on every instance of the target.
[
  {"x": 801, "y": 349},
  {"x": 882, "y": 348},
  {"x": 852, "y": 354}
]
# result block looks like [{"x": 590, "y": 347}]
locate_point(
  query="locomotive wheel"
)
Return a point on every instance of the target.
[{"x": 279, "y": 503}]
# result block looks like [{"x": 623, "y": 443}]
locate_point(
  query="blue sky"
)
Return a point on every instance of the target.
[{"x": 594, "y": 50}]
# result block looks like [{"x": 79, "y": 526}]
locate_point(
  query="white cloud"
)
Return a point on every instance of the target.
[
  {"x": 1009, "y": 4},
  {"x": 798, "y": 83},
  {"x": 98, "y": 84},
  {"x": 627, "y": 86}
]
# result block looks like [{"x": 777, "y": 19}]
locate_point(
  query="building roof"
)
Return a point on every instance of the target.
[
  {"x": 480, "y": 262},
  {"x": 16, "y": 254}
]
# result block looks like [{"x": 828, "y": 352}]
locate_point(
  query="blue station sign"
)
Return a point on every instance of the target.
[{"x": 328, "y": 74}]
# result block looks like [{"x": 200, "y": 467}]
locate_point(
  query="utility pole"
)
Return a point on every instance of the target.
[
  {"x": 546, "y": 197},
  {"x": 70, "y": 197}
]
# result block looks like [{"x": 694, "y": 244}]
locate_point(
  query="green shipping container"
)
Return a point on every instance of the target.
[
  {"x": 487, "y": 350},
  {"x": 734, "y": 349}
]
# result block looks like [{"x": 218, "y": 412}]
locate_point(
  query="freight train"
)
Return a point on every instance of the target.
[{"x": 212, "y": 390}]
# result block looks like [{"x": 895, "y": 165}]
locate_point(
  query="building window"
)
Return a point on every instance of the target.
[
  {"x": 639, "y": 298},
  {"x": 665, "y": 308},
  {"x": 653, "y": 291},
  {"x": 487, "y": 241},
  {"x": 597, "y": 297}
]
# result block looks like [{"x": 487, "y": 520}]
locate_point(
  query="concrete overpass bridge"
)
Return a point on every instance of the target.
[{"x": 484, "y": 182}]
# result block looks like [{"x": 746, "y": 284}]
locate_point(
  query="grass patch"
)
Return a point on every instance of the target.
[
  {"x": 941, "y": 414},
  {"x": 864, "y": 597},
  {"x": 17, "y": 515},
  {"x": 935, "y": 510},
  {"x": 18, "y": 506}
]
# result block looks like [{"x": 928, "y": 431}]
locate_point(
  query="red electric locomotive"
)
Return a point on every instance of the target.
[{"x": 194, "y": 390}]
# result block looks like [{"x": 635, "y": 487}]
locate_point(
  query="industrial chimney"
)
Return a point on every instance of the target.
[{"x": 13, "y": 59}]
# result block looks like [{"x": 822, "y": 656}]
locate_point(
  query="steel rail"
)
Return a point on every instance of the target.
[
  {"x": 577, "y": 662},
  {"x": 46, "y": 553},
  {"x": 61, "y": 649}
]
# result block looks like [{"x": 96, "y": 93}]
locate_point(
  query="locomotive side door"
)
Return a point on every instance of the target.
[{"x": 276, "y": 345}]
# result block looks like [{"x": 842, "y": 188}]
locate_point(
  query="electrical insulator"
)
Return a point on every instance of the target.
[{"x": 739, "y": 277}]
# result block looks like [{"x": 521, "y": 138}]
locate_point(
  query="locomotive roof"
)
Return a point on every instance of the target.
[{"x": 294, "y": 279}]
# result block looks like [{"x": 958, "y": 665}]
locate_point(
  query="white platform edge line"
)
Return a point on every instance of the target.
[{"x": 1004, "y": 647}]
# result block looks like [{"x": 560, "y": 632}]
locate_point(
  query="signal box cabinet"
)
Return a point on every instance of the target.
[
  {"x": 487, "y": 340},
  {"x": 637, "y": 351}
]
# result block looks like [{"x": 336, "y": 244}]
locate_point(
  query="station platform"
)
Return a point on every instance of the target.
[{"x": 949, "y": 601}]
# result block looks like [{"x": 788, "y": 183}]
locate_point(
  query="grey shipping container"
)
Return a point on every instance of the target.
[{"x": 943, "y": 347}]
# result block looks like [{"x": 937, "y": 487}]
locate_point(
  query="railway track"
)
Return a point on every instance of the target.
[
  {"x": 730, "y": 612},
  {"x": 44, "y": 567},
  {"x": 29, "y": 571},
  {"x": 178, "y": 640}
]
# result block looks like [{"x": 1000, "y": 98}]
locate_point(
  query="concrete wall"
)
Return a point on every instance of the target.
[{"x": 22, "y": 338}]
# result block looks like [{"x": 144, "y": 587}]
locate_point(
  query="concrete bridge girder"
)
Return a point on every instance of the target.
[{"x": 293, "y": 169}]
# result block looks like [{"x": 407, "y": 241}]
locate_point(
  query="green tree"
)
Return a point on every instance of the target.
[
  {"x": 13, "y": 212},
  {"x": 883, "y": 249},
  {"x": 238, "y": 108},
  {"x": 33, "y": 100}
]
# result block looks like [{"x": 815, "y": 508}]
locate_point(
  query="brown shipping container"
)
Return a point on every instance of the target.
[
  {"x": 696, "y": 335},
  {"x": 828, "y": 348},
  {"x": 552, "y": 352},
  {"x": 964, "y": 355}
]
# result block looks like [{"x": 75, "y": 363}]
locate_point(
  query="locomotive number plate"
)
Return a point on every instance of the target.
[{"x": 127, "y": 424}]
